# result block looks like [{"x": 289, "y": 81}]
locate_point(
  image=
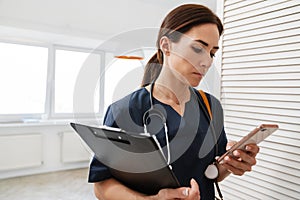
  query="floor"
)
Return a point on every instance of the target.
[{"x": 63, "y": 185}]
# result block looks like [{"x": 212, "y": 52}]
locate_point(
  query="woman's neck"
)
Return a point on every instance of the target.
[{"x": 168, "y": 88}]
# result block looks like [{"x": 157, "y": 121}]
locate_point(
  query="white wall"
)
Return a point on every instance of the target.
[
  {"x": 72, "y": 23},
  {"x": 20, "y": 157}
]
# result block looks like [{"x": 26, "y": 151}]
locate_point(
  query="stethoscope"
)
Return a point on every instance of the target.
[
  {"x": 211, "y": 171},
  {"x": 154, "y": 112}
]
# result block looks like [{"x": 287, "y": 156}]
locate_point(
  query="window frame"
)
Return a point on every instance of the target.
[
  {"x": 51, "y": 78},
  {"x": 49, "y": 113}
]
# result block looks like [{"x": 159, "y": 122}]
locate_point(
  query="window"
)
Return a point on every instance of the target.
[
  {"x": 68, "y": 66},
  {"x": 122, "y": 76},
  {"x": 23, "y": 79},
  {"x": 40, "y": 82}
]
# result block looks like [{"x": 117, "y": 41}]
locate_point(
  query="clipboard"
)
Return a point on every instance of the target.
[{"x": 134, "y": 159}]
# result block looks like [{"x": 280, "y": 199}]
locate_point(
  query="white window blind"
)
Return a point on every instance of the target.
[{"x": 261, "y": 84}]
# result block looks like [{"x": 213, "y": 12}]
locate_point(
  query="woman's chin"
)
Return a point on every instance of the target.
[{"x": 194, "y": 83}]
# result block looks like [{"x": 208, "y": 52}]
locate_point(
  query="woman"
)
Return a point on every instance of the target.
[{"x": 187, "y": 42}]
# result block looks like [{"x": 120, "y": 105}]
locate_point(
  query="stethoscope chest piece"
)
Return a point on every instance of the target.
[{"x": 211, "y": 171}]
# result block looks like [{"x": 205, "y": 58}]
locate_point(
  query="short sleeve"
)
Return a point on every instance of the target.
[{"x": 98, "y": 171}]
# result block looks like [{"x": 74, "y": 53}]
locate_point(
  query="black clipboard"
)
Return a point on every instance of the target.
[{"x": 136, "y": 160}]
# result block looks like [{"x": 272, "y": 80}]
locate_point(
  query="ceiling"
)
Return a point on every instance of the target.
[{"x": 97, "y": 19}]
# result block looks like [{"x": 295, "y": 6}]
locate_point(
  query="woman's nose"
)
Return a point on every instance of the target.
[{"x": 206, "y": 60}]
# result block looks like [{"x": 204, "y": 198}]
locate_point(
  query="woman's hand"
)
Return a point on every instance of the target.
[
  {"x": 183, "y": 193},
  {"x": 111, "y": 189},
  {"x": 241, "y": 160}
]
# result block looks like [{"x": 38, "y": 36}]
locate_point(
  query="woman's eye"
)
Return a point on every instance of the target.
[
  {"x": 212, "y": 55},
  {"x": 197, "y": 49}
]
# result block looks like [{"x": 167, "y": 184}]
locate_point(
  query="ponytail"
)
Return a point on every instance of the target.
[{"x": 153, "y": 68}]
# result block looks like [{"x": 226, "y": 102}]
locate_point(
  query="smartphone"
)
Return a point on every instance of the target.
[{"x": 255, "y": 136}]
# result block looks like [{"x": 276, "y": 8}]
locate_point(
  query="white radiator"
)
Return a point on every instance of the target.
[
  {"x": 20, "y": 151},
  {"x": 73, "y": 149}
]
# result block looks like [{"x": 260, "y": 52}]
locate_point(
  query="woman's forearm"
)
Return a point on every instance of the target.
[{"x": 111, "y": 189}]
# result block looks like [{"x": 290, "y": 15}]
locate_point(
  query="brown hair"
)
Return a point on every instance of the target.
[{"x": 178, "y": 21}]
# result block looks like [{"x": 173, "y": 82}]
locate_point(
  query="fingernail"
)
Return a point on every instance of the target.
[
  {"x": 236, "y": 153},
  {"x": 226, "y": 158},
  {"x": 186, "y": 192},
  {"x": 248, "y": 148}
]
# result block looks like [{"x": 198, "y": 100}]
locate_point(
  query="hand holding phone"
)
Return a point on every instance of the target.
[{"x": 255, "y": 136}]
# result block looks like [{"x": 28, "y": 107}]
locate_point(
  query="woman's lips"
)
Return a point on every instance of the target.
[{"x": 197, "y": 74}]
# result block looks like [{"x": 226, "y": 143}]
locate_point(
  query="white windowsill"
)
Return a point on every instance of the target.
[{"x": 50, "y": 122}]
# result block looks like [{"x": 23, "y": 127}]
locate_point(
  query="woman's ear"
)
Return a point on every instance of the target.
[{"x": 165, "y": 45}]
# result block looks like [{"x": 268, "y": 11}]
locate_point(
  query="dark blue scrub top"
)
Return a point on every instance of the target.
[{"x": 192, "y": 145}]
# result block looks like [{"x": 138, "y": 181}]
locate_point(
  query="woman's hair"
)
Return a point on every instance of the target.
[{"x": 177, "y": 22}]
